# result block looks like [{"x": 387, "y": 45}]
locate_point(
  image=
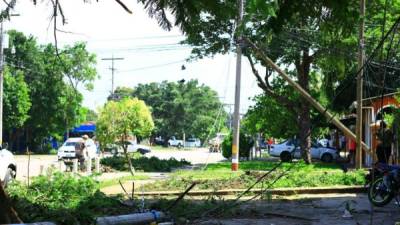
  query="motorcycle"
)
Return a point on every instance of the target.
[{"x": 384, "y": 184}]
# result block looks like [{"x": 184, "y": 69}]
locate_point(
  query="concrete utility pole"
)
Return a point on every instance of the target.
[
  {"x": 236, "y": 116},
  {"x": 1, "y": 82},
  {"x": 112, "y": 70},
  {"x": 360, "y": 87},
  {"x": 307, "y": 96}
]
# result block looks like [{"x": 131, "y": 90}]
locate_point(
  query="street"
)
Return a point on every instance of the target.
[
  {"x": 313, "y": 210},
  {"x": 195, "y": 156}
]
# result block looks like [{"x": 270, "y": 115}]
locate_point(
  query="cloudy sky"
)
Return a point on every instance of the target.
[{"x": 150, "y": 53}]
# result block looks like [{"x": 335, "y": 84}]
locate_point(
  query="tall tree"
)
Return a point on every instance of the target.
[
  {"x": 16, "y": 103},
  {"x": 179, "y": 107},
  {"x": 296, "y": 35},
  {"x": 118, "y": 120},
  {"x": 55, "y": 102}
]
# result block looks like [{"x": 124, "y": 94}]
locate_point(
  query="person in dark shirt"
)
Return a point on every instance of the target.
[{"x": 384, "y": 148}]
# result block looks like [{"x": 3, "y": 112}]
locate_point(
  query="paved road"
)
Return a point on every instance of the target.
[
  {"x": 321, "y": 210},
  {"x": 195, "y": 156},
  {"x": 35, "y": 162}
]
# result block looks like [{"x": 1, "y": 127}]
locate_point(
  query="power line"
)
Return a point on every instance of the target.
[{"x": 151, "y": 67}]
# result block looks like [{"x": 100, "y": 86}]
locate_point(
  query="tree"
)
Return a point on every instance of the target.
[
  {"x": 89, "y": 114},
  {"x": 183, "y": 107},
  {"x": 55, "y": 102},
  {"x": 118, "y": 120},
  {"x": 120, "y": 93},
  {"x": 16, "y": 103},
  {"x": 296, "y": 35}
]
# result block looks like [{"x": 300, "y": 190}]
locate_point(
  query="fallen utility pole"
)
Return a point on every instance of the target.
[{"x": 307, "y": 96}]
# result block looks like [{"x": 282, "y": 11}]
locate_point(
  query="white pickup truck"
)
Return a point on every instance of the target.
[{"x": 174, "y": 142}]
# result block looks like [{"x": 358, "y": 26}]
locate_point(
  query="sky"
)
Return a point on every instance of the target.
[{"x": 150, "y": 53}]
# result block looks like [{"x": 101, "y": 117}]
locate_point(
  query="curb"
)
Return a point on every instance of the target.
[{"x": 278, "y": 191}]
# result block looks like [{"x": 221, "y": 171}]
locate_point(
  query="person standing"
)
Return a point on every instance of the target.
[
  {"x": 385, "y": 140},
  {"x": 352, "y": 151}
]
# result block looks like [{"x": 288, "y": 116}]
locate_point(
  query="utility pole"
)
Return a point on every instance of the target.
[
  {"x": 1, "y": 82},
  {"x": 112, "y": 71},
  {"x": 236, "y": 116},
  {"x": 358, "y": 156}
]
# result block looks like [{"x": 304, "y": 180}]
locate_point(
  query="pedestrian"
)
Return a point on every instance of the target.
[
  {"x": 352, "y": 151},
  {"x": 80, "y": 154},
  {"x": 270, "y": 143},
  {"x": 385, "y": 140}
]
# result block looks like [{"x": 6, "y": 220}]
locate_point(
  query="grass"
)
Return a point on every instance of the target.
[
  {"x": 115, "y": 181},
  {"x": 219, "y": 176}
]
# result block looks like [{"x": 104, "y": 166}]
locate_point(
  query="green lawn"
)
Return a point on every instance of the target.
[
  {"x": 112, "y": 182},
  {"x": 220, "y": 176}
]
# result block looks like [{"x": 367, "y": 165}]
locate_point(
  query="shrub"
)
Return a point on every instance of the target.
[
  {"x": 245, "y": 145},
  {"x": 152, "y": 164},
  {"x": 62, "y": 198}
]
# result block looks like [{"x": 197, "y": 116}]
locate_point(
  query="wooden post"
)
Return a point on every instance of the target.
[
  {"x": 97, "y": 161},
  {"x": 307, "y": 96},
  {"x": 75, "y": 166},
  {"x": 89, "y": 166},
  {"x": 41, "y": 170}
]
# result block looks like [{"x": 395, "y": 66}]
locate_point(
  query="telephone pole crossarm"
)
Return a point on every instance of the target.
[{"x": 112, "y": 59}]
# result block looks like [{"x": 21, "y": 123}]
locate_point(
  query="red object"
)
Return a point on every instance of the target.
[
  {"x": 270, "y": 141},
  {"x": 351, "y": 145}
]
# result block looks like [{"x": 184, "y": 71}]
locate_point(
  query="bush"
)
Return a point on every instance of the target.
[
  {"x": 62, "y": 198},
  {"x": 245, "y": 145},
  {"x": 145, "y": 164}
]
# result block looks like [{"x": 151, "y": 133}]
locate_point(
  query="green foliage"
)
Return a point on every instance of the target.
[
  {"x": 52, "y": 82},
  {"x": 219, "y": 176},
  {"x": 246, "y": 142},
  {"x": 121, "y": 93},
  {"x": 187, "y": 107},
  {"x": 62, "y": 198},
  {"x": 145, "y": 164},
  {"x": 16, "y": 101},
  {"x": 117, "y": 120}
]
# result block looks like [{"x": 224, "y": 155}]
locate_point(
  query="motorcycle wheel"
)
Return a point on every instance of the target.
[{"x": 378, "y": 193}]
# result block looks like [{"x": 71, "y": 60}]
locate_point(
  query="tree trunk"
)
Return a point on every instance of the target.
[
  {"x": 303, "y": 72},
  {"x": 131, "y": 168}
]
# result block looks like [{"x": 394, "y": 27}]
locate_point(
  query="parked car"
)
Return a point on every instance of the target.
[
  {"x": 285, "y": 151},
  {"x": 132, "y": 147},
  {"x": 175, "y": 142},
  {"x": 8, "y": 167},
  {"x": 193, "y": 142},
  {"x": 159, "y": 140},
  {"x": 67, "y": 150}
]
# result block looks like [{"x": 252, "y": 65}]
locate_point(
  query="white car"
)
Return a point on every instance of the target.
[
  {"x": 8, "y": 167},
  {"x": 284, "y": 150},
  {"x": 175, "y": 142},
  {"x": 67, "y": 150},
  {"x": 193, "y": 142},
  {"x": 132, "y": 147}
]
